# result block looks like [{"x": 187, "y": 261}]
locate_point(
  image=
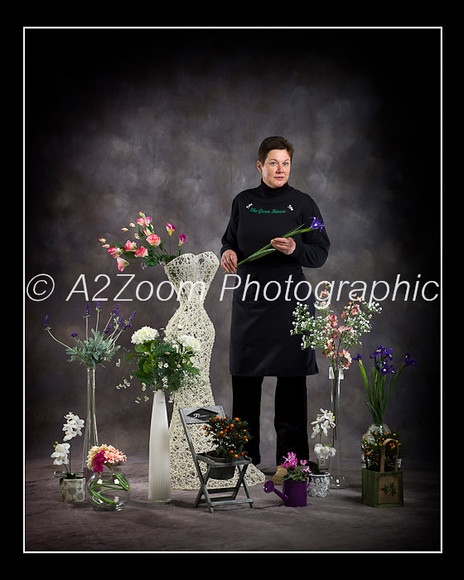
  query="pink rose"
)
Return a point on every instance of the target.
[{"x": 154, "y": 240}]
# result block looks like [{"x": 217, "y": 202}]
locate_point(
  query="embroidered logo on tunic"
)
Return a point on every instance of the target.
[{"x": 252, "y": 209}]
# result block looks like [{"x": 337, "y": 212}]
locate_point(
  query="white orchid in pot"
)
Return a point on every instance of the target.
[{"x": 72, "y": 485}]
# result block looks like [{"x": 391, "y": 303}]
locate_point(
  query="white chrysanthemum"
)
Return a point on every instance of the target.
[{"x": 144, "y": 334}]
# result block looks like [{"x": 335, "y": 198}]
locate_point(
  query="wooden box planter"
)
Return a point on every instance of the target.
[{"x": 383, "y": 488}]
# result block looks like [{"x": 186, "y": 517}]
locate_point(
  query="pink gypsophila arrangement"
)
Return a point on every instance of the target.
[
  {"x": 150, "y": 249},
  {"x": 333, "y": 336},
  {"x": 101, "y": 455}
]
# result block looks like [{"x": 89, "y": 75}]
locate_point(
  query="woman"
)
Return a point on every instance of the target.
[{"x": 262, "y": 307}]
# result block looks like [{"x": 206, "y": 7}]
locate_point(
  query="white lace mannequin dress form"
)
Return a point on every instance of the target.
[{"x": 191, "y": 276}]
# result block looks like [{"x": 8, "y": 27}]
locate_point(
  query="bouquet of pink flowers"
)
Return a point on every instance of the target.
[
  {"x": 104, "y": 455},
  {"x": 150, "y": 249}
]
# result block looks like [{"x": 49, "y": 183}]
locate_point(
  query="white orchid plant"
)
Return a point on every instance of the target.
[{"x": 62, "y": 451}]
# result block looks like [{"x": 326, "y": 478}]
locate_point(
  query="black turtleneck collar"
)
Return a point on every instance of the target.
[{"x": 272, "y": 191}]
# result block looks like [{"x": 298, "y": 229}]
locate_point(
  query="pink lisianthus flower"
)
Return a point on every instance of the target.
[
  {"x": 170, "y": 228},
  {"x": 154, "y": 240},
  {"x": 141, "y": 252},
  {"x": 182, "y": 239},
  {"x": 114, "y": 251},
  {"x": 144, "y": 220},
  {"x": 130, "y": 246},
  {"x": 121, "y": 263}
]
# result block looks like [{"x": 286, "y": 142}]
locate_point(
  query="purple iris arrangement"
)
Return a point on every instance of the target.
[{"x": 384, "y": 376}]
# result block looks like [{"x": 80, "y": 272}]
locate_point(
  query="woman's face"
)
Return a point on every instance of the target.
[{"x": 276, "y": 168}]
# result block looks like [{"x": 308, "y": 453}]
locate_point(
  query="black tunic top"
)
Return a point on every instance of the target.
[{"x": 263, "y": 304}]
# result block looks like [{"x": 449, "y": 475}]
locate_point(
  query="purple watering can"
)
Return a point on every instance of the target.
[{"x": 294, "y": 493}]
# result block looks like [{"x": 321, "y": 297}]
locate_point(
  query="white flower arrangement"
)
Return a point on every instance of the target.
[{"x": 162, "y": 363}]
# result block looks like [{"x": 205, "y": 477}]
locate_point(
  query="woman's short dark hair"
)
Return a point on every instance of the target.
[{"x": 271, "y": 143}]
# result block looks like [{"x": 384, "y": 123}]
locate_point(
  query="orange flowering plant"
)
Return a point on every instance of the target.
[{"x": 230, "y": 436}]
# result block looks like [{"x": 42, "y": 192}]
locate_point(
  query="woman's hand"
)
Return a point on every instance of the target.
[
  {"x": 229, "y": 261},
  {"x": 285, "y": 245}
]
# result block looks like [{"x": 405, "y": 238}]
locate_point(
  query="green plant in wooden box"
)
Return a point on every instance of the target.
[{"x": 382, "y": 481}]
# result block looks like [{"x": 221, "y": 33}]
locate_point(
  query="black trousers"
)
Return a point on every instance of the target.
[{"x": 290, "y": 414}]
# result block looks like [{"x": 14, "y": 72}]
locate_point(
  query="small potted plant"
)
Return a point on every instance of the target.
[
  {"x": 382, "y": 480},
  {"x": 230, "y": 437},
  {"x": 294, "y": 483},
  {"x": 72, "y": 485}
]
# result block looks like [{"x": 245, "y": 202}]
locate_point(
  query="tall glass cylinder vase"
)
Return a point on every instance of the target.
[
  {"x": 90, "y": 430},
  {"x": 337, "y": 478},
  {"x": 159, "y": 476}
]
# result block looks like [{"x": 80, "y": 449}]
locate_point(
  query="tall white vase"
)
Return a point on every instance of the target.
[{"x": 159, "y": 478}]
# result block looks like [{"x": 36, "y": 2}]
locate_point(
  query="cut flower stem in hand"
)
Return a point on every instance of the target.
[{"x": 267, "y": 249}]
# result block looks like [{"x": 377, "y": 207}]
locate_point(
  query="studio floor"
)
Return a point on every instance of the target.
[{"x": 337, "y": 523}]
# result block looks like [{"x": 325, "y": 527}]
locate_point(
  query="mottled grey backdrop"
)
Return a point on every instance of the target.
[{"x": 169, "y": 122}]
